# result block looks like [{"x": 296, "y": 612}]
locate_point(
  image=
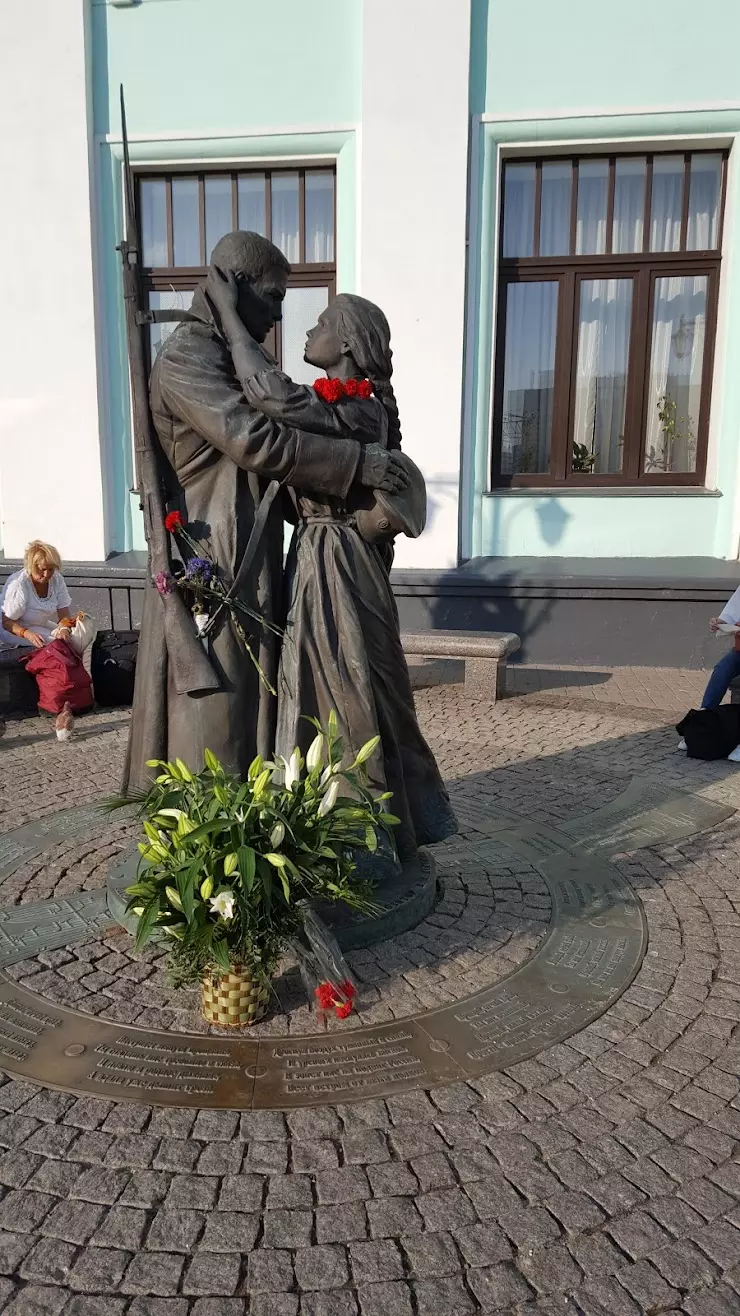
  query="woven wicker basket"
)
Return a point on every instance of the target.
[{"x": 234, "y": 1000}]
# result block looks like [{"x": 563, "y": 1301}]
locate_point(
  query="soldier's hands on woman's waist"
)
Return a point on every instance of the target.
[{"x": 380, "y": 469}]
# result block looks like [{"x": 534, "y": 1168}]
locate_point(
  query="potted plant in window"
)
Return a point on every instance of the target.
[
  {"x": 229, "y": 867},
  {"x": 582, "y": 459},
  {"x": 675, "y": 430}
]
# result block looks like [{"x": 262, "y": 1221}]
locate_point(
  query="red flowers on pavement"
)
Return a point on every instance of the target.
[
  {"x": 324, "y": 994},
  {"x": 339, "y": 999}
]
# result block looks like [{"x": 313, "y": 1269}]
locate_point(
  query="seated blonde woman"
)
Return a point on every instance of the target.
[{"x": 35, "y": 599}]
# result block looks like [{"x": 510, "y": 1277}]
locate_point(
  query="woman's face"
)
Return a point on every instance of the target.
[
  {"x": 42, "y": 572},
  {"x": 324, "y": 347}
]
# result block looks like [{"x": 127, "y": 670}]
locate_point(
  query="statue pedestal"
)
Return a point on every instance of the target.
[{"x": 406, "y": 900}]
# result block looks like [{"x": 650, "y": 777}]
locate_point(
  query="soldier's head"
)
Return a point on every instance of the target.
[{"x": 261, "y": 272}]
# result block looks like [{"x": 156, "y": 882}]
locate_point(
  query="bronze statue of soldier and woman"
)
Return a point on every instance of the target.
[{"x": 242, "y": 450}]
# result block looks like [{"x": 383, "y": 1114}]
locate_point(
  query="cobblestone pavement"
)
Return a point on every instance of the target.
[
  {"x": 600, "y": 1178},
  {"x": 671, "y": 689},
  {"x": 479, "y": 932},
  {"x": 637, "y": 687}
]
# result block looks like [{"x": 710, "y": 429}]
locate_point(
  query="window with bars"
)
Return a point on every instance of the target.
[
  {"x": 607, "y": 307},
  {"x": 182, "y": 216}
]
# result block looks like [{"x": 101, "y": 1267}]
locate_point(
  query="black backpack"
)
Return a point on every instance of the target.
[
  {"x": 711, "y": 733},
  {"x": 113, "y": 667},
  {"x": 18, "y": 690}
]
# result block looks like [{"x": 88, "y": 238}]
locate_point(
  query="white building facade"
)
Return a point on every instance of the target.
[{"x": 543, "y": 200}]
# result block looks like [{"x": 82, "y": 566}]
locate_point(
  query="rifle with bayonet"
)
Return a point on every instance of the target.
[{"x": 192, "y": 670}]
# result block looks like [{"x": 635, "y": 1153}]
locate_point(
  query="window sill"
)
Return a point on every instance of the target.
[{"x": 606, "y": 491}]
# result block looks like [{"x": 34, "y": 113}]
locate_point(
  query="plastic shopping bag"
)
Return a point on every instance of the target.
[{"x": 79, "y": 632}]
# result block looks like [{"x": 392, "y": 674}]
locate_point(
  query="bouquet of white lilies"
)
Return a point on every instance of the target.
[{"x": 229, "y": 867}]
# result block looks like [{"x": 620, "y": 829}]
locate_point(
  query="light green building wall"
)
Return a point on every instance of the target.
[
  {"x": 209, "y": 81},
  {"x": 197, "y": 67},
  {"x": 569, "y": 55},
  {"x": 226, "y": 80},
  {"x": 584, "y": 73}
]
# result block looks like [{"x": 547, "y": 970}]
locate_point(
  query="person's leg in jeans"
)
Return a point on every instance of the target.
[{"x": 719, "y": 682}]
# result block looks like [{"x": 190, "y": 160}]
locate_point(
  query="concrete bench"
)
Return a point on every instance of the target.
[{"x": 484, "y": 652}]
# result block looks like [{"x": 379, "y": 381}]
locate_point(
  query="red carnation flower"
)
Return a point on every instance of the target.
[
  {"x": 351, "y": 387},
  {"x": 364, "y": 389},
  {"x": 344, "y": 1008},
  {"x": 330, "y": 998},
  {"x": 330, "y": 390},
  {"x": 173, "y": 521},
  {"x": 324, "y": 994}
]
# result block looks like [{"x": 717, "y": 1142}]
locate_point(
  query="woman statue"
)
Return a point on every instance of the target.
[{"x": 342, "y": 648}]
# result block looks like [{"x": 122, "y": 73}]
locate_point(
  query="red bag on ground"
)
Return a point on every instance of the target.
[{"x": 61, "y": 678}]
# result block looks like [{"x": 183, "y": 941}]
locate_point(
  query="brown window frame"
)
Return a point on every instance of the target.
[
  {"x": 569, "y": 271},
  {"x": 182, "y": 278}
]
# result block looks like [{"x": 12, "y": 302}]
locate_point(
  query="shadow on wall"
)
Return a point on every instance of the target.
[
  {"x": 553, "y": 520},
  {"x": 442, "y": 495},
  {"x": 523, "y": 612}
]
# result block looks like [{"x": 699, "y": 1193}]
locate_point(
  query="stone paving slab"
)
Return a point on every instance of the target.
[
  {"x": 600, "y": 1177},
  {"x": 595, "y": 942},
  {"x": 658, "y": 688},
  {"x": 653, "y": 689},
  {"x": 62, "y": 1031}
]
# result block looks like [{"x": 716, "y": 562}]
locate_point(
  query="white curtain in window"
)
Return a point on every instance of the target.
[
  {"x": 518, "y": 210},
  {"x": 218, "y": 211},
  {"x": 601, "y": 374},
  {"x": 629, "y": 204},
  {"x": 666, "y": 203},
  {"x": 593, "y": 193},
  {"x": 557, "y": 186},
  {"x": 185, "y": 221},
  {"x": 153, "y": 209},
  {"x": 706, "y": 174},
  {"x": 301, "y": 309},
  {"x": 526, "y": 423},
  {"x": 674, "y": 385},
  {"x": 319, "y": 188},
  {"x": 251, "y": 203},
  {"x": 285, "y": 214}
]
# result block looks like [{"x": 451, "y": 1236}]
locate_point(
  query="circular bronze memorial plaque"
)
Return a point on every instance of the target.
[{"x": 587, "y": 955}]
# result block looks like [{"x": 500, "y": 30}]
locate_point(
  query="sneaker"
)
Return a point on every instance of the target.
[
  {"x": 681, "y": 745},
  {"x": 734, "y": 757}
]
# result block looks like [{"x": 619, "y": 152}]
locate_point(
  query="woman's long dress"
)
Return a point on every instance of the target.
[{"x": 342, "y": 649}]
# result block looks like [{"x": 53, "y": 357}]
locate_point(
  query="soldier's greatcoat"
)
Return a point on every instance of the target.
[{"x": 219, "y": 455}]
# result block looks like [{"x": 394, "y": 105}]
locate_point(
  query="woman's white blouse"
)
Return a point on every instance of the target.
[
  {"x": 731, "y": 610},
  {"x": 20, "y": 602}
]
